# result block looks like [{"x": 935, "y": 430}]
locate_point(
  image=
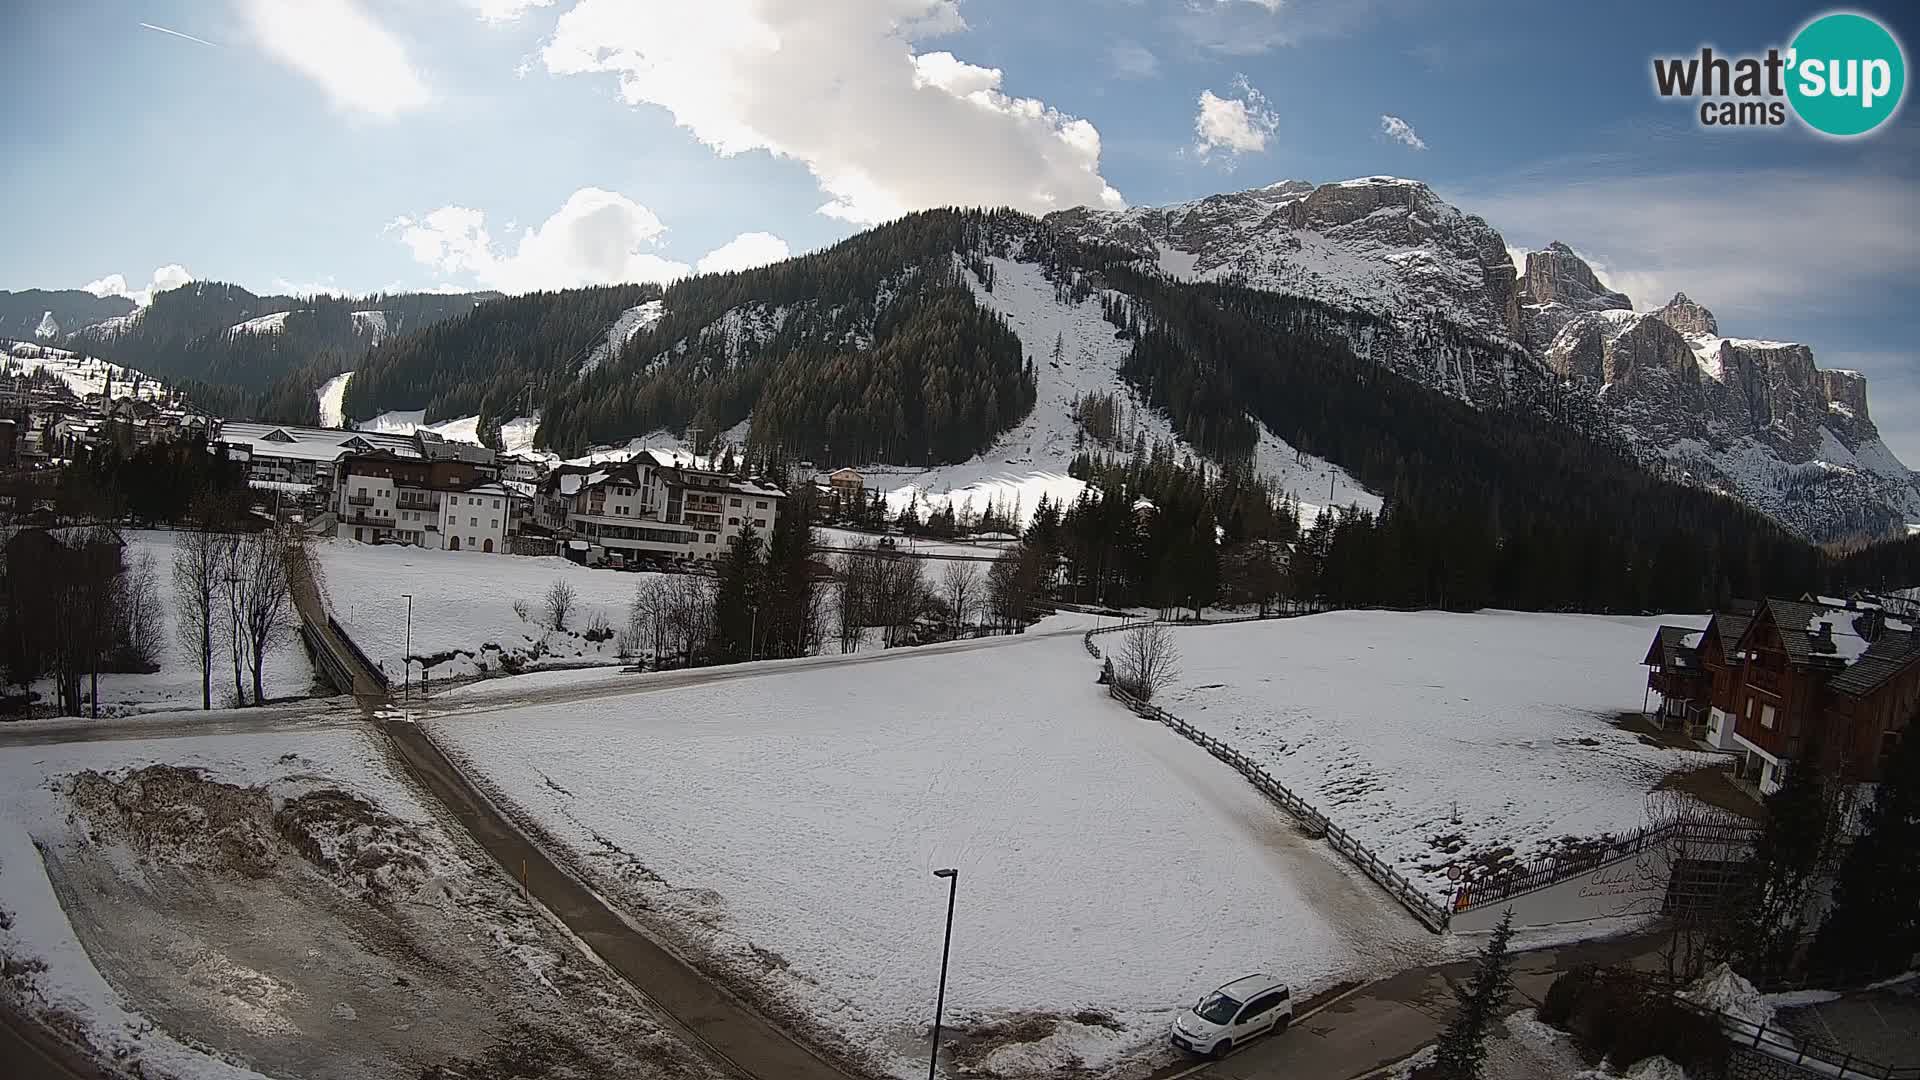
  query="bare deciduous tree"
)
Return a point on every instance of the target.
[
  {"x": 689, "y": 611},
  {"x": 142, "y": 622},
  {"x": 900, "y": 597},
  {"x": 1148, "y": 661},
  {"x": 560, "y": 600},
  {"x": 265, "y": 587},
  {"x": 859, "y": 573},
  {"x": 197, "y": 555},
  {"x": 959, "y": 585}
]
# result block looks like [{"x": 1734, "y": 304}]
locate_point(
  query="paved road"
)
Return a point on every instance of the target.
[
  {"x": 1389, "y": 1020},
  {"x": 711, "y": 1017},
  {"x": 31, "y": 1052}
]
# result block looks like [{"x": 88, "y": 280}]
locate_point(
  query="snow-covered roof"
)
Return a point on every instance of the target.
[{"x": 310, "y": 444}]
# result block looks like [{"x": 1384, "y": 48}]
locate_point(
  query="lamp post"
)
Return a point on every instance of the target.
[
  {"x": 940, "y": 1002},
  {"x": 406, "y": 658}
]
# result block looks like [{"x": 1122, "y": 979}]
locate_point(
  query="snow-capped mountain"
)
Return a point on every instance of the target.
[{"x": 1755, "y": 418}]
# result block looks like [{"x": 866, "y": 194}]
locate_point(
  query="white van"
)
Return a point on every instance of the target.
[{"x": 1228, "y": 1017}]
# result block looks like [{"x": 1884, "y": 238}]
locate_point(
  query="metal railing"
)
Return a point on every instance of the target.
[
  {"x": 1810, "y": 1055},
  {"x": 1554, "y": 869}
]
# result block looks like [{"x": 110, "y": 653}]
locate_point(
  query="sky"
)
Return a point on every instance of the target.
[{"x": 363, "y": 145}]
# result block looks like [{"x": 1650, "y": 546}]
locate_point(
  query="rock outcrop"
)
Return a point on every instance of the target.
[
  {"x": 1380, "y": 244},
  {"x": 1755, "y": 418}
]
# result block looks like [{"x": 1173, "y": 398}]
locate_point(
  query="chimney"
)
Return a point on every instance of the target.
[{"x": 1823, "y": 638}]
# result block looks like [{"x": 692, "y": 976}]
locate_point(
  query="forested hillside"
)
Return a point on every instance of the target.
[
  {"x": 24, "y": 314},
  {"x": 242, "y": 355},
  {"x": 486, "y": 361}
]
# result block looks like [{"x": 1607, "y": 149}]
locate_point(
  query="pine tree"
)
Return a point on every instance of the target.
[
  {"x": 1875, "y": 922},
  {"x": 736, "y": 598},
  {"x": 1463, "y": 1047}
]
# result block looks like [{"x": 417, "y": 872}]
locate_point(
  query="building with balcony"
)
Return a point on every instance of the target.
[
  {"x": 652, "y": 507},
  {"x": 1830, "y": 682},
  {"x": 451, "y": 501}
]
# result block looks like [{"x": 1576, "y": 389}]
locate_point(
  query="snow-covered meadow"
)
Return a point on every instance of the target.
[
  {"x": 784, "y": 828},
  {"x": 464, "y": 617},
  {"x": 1432, "y": 736},
  {"x": 288, "y": 672}
]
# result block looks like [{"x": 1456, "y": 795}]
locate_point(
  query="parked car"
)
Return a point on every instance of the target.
[{"x": 1230, "y": 1016}]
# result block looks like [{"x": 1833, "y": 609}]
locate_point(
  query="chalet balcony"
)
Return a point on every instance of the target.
[{"x": 360, "y": 500}]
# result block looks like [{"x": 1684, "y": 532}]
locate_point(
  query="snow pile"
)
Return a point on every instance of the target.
[
  {"x": 1432, "y": 737},
  {"x": 464, "y": 621},
  {"x": 783, "y": 828},
  {"x": 1723, "y": 990}
]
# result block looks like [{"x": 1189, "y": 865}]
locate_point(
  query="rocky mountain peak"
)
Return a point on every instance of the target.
[
  {"x": 1558, "y": 276},
  {"x": 1688, "y": 317}
]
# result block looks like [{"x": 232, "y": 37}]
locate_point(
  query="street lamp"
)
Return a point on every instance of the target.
[
  {"x": 406, "y": 658},
  {"x": 940, "y": 1003}
]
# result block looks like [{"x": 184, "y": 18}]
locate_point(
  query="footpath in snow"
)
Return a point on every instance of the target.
[
  {"x": 1435, "y": 737},
  {"x": 784, "y": 828}
]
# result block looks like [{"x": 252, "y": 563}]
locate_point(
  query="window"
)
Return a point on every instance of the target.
[
  {"x": 1218, "y": 1008},
  {"x": 733, "y": 521},
  {"x": 710, "y": 538},
  {"x": 1749, "y": 708},
  {"x": 473, "y": 522},
  {"x": 360, "y": 491},
  {"x": 760, "y": 504},
  {"x": 1259, "y": 1006},
  {"x": 733, "y": 502},
  {"x": 469, "y": 541},
  {"x": 496, "y": 504},
  {"x": 759, "y": 523},
  {"x": 494, "y": 524},
  {"x": 1766, "y": 716}
]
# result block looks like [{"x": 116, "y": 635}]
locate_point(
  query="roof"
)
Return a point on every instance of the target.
[
  {"x": 1729, "y": 627},
  {"x": 1895, "y": 652},
  {"x": 1675, "y": 647},
  {"x": 1246, "y": 986},
  {"x": 1798, "y": 623},
  {"x": 310, "y": 444}
]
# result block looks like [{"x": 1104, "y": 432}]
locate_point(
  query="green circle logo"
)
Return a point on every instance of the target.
[{"x": 1846, "y": 74}]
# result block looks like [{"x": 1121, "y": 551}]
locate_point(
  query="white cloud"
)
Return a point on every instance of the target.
[
  {"x": 359, "y": 64},
  {"x": 1132, "y": 60},
  {"x": 1234, "y": 125},
  {"x": 505, "y": 11},
  {"x": 170, "y": 276},
  {"x": 744, "y": 252},
  {"x": 838, "y": 86},
  {"x": 1793, "y": 243},
  {"x": 597, "y": 237},
  {"x": 1400, "y": 131}
]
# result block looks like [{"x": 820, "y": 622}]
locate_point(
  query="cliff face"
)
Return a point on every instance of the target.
[{"x": 1758, "y": 419}]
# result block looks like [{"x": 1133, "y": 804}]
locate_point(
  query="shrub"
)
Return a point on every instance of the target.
[
  {"x": 1565, "y": 994},
  {"x": 520, "y": 609}
]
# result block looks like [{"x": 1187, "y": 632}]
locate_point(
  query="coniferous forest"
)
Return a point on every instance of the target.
[{"x": 876, "y": 351}]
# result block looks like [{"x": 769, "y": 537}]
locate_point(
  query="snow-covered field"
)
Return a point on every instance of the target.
[
  {"x": 228, "y": 907},
  {"x": 784, "y": 829},
  {"x": 1432, "y": 736},
  {"x": 176, "y": 685},
  {"x": 463, "y": 607},
  {"x": 921, "y": 546}
]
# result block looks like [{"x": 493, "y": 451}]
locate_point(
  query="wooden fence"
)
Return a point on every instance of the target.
[{"x": 1431, "y": 914}]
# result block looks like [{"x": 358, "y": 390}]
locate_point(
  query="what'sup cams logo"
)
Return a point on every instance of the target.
[{"x": 1843, "y": 75}]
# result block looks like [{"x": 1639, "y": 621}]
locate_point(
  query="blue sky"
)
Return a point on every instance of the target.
[{"x": 361, "y": 145}]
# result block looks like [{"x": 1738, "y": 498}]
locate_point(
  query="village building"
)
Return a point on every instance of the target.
[
  {"x": 284, "y": 454},
  {"x": 653, "y": 506},
  {"x": 444, "y": 495},
  {"x": 1829, "y": 681}
]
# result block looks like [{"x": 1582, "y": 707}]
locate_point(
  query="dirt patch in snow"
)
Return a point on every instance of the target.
[
  {"x": 1030, "y": 1044},
  {"x": 300, "y": 928}
]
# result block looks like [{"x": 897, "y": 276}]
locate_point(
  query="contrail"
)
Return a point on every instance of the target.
[{"x": 178, "y": 34}]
